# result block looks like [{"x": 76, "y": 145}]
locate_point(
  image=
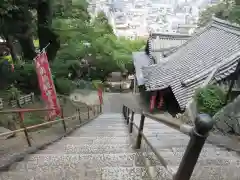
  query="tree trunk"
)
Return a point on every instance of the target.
[
  {"x": 25, "y": 34},
  {"x": 10, "y": 45},
  {"x": 27, "y": 46},
  {"x": 45, "y": 33}
]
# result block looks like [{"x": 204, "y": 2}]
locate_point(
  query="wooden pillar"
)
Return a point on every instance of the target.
[
  {"x": 134, "y": 84},
  {"x": 160, "y": 101},
  {"x": 153, "y": 100}
]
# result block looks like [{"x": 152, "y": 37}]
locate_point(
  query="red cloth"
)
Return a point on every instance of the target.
[
  {"x": 46, "y": 85},
  {"x": 12, "y": 67}
]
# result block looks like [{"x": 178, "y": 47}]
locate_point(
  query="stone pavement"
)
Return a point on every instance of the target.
[{"x": 113, "y": 102}]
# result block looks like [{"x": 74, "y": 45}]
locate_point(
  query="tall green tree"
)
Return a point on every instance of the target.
[
  {"x": 17, "y": 23},
  {"x": 227, "y": 10}
]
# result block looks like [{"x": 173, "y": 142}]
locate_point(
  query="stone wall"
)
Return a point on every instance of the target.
[
  {"x": 190, "y": 113},
  {"x": 228, "y": 118}
]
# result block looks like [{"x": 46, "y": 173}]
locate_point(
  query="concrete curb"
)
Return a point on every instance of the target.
[
  {"x": 5, "y": 166},
  {"x": 214, "y": 139}
]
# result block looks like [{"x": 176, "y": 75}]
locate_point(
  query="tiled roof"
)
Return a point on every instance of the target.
[
  {"x": 159, "y": 56},
  {"x": 161, "y": 44},
  {"x": 187, "y": 68},
  {"x": 140, "y": 60},
  {"x": 162, "y": 41}
]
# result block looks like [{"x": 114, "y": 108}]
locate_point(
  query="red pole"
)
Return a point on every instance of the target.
[
  {"x": 21, "y": 115},
  {"x": 100, "y": 95},
  {"x": 63, "y": 122},
  {"x": 160, "y": 101},
  {"x": 152, "y": 102}
]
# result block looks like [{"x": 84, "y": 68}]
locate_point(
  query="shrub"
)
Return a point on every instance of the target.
[
  {"x": 13, "y": 93},
  {"x": 64, "y": 86},
  {"x": 33, "y": 121},
  {"x": 210, "y": 99}
]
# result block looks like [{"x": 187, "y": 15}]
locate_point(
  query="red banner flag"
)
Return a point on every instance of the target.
[{"x": 46, "y": 85}]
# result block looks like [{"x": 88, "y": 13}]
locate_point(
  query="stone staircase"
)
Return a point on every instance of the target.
[{"x": 101, "y": 150}]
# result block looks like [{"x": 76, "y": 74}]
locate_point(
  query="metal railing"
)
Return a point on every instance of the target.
[
  {"x": 198, "y": 135},
  {"x": 96, "y": 109}
]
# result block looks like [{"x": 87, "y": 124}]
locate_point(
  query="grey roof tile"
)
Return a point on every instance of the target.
[
  {"x": 217, "y": 43},
  {"x": 160, "y": 41},
  {"x": 161, "y": 44}
]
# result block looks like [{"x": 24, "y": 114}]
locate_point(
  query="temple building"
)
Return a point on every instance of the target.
[{"x": 209, "y": 56}]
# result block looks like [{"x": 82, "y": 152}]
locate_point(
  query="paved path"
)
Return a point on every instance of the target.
[{"x": 113, "y": 102}]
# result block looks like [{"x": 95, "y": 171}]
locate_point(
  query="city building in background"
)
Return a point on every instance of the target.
[{"x": 138, "y": 18}]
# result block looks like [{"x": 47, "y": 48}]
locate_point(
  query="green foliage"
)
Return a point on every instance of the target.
[
  {"x": 81, "y": 39},
  {"x": 96, "y": 42},
  {"x": 227, "y": 9},
  {"x": 36, "y": 43},
  {"x": 13, "y": 93},
  {"x": 64, "y": 86},
  {"x": 234, "y": 15},
  {"x": 8, "y": 58},
  {"x": 31, "y": 121},
  {"x": 97, "y": 84},
  {"x": 210, "y": 99}
]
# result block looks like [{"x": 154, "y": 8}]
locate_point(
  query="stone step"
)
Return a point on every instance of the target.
[
  {"x": 101, "y": 131},
  {"x": 108, "y": 117},
  {"x": 106, "y": 122},
  {"x": 38, "y": 162},
  {"x": 106, "y": 173},
  {"x": 207, "y": 152},
  {"x": 106, "y": 126},
  {"x": 120, "y": 173},
  {"x": 202, "y": 161},
  {"x": 210, "y": 172},
  {"x": 82, "y": 133},
  {"x": 88, "y": 149},
  {"x": 111, "y": 117},
  {"x": 173, "y": 156},
  {"x": 94, "y": 140},
  {"x": 93, "y": 129}
]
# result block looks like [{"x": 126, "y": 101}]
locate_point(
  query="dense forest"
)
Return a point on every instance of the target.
[{"x": 81, "y": 47}]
